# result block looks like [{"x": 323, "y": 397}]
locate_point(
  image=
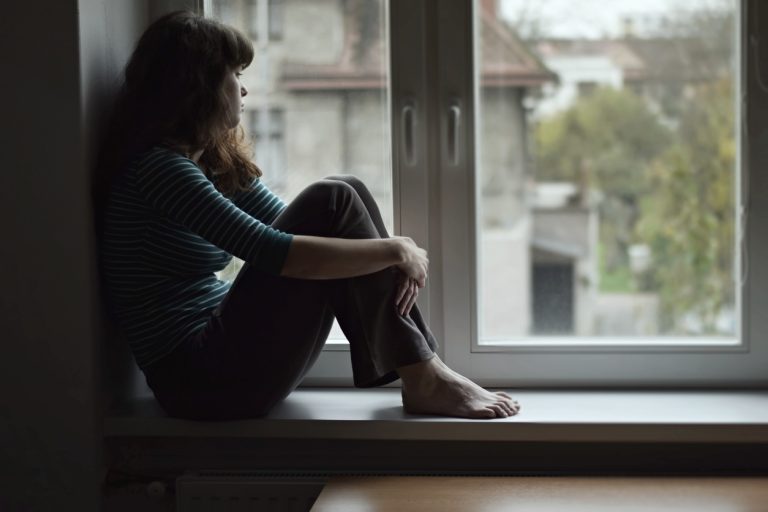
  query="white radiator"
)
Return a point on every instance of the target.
[{"x": 241, "y": 491}]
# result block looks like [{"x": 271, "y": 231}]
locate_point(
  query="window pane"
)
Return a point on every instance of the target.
[
  {"x": 318, "y": 101},
  {"x": 606, "y": 168}
]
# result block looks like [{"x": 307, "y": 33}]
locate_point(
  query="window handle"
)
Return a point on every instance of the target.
[
  {"x": 408, "y": 133},
  {"x": 454, "y": 132}
]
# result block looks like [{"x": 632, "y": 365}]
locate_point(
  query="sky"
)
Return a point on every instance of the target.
[{"x": 598, "y": 18}]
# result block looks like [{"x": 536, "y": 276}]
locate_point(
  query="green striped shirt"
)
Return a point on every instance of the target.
[{"x": 166, "y": 231}]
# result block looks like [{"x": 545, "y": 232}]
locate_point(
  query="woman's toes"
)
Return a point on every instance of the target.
[
  {"x": 485, "y": 413},
  {"x": 499, "y": 410},
  {"x": 513, "y": 404},
  {"x": 507, "y": 408},
  {"x": 511, "y": 408}
]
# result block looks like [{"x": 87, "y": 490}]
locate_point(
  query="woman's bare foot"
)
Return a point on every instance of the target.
[{"x": 430, "y": 387}]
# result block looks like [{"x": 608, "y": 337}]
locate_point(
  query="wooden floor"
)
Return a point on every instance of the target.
[{"x": 544, "y": 494}]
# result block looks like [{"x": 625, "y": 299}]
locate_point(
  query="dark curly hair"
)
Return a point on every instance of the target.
[{"x": 172, "y": 94}]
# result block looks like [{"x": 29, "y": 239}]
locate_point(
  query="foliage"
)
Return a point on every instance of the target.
[
  {"x": 665, "y": 174},
  {"x": 605, "y": 142},
  {"x": 689, "y": 220}
]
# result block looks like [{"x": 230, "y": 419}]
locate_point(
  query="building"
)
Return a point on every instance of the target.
[{"x": 582, "y": 65}]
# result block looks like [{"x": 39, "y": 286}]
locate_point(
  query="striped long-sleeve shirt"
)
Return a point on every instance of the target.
[{"x": 166, "y": 231}]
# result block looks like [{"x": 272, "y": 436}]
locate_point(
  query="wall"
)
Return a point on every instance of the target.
[
  {"x": 52, "y": 96},
  {"x": 306, "y": 23}
]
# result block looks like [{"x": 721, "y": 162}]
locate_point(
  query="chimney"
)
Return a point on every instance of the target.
[
  {"x": 629, "y": 27},
  {"x": 490, "y": 6}
]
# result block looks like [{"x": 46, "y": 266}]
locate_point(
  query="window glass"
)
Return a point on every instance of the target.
[
  {"x": 606, "y": 169},
  {"x": 318, "y": 101}
]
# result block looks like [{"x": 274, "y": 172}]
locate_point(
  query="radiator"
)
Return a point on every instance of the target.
[{"x": 241, "y": 491}]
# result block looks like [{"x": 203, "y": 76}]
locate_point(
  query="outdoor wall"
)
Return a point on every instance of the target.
[
  {"x": 367, "y": 140},
  {"x": 314, "y": 148},
  {"x": 503, "y": 157},
  {"x": 505, "y": 289},
  {"x": 505, "y": 283},
  {"x": 308, "y": 21}
]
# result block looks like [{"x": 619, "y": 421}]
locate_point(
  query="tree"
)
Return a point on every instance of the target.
[
  {"x": 605, "y": 142},
  {"x": 689, "y": 220}
]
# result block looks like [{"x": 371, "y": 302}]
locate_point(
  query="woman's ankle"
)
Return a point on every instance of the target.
[{"x": 418, "y": 374}]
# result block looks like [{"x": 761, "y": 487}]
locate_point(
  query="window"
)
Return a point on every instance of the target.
[
  {"x": 267, "y": 129},
  {"x": 576, "y": 182},
  {"x": 318, "y": 97},
  {"x": 621, "y": 218},
  {"x": 256, "y": 16}
]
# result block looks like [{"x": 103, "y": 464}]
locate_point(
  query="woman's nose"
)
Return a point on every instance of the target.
[{"x": 243, "y": 90}]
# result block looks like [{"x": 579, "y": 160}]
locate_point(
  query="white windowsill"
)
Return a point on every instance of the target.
[{"x": 561, "y": 416}]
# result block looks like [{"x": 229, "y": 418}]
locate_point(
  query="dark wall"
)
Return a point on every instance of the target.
[{"x": 60, "y": 59}]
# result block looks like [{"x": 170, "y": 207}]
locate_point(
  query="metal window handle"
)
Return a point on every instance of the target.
[
  {"x": 454, "y": 132},
  {"x": 408, "y": 132}
]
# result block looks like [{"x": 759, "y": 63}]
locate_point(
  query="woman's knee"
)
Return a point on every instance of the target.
[
  {"x": 325, "y": 192},
  {"x": 329, "y": 208},
  {"x": 366, "y": 200},
  {"x": 350, "y": 179},
  {"x": 337, "y": 192},
  {"x": 332, "y": 197},
  {"x": 328, "y": 186}
]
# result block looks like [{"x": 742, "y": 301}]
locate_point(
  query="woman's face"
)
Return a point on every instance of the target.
[{"x": 234, "y": 92}]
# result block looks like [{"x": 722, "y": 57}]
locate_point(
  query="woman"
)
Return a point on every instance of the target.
[{"x": 179, "y": 195}]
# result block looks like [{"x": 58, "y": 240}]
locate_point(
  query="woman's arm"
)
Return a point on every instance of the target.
[
  {"x": 259, "y": 202},
  {"x": 312, "y": 257},
  {"x": 177, "y": 188}
]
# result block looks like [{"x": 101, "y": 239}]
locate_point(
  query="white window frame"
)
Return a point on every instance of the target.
[
  {"x": 593, "y": 362},
  {"x": 434, "y": 194}
]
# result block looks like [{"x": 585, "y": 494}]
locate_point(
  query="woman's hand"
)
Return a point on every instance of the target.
[
  {"x": 407, "y": 292},
  {"x": 413, "y": 260},
  {"x": 413, "y": 274}
]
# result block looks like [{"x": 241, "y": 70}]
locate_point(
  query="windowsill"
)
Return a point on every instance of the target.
[{"x": 549, "y": 416}]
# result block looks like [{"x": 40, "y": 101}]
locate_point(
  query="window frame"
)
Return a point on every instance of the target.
[
  {"x": 593, "y": 362},
  {"x": 431, "y": 46}
]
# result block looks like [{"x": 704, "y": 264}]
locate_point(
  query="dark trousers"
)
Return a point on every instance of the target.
[{"x": 269, "y": 330}]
